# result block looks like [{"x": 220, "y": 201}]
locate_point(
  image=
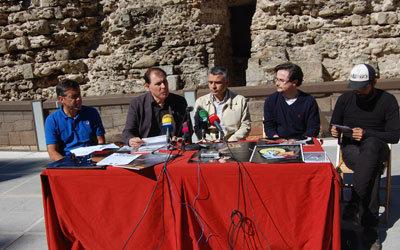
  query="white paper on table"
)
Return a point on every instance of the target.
[
  {"x": 154, "y": 143},
  {"x": 315, "y": 157},
  {"x": 125, "y": 148},
  {"x": 117, "y": 159},
  {"x": 82, "y": 151}
]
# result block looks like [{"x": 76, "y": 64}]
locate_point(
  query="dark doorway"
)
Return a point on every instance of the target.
[{"x": 240, "y": 22}]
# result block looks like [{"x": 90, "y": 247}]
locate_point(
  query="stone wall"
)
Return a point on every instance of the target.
[
  {"x": 107, "y": 45},
  {"x": 18, "y": 132},
  {"x": 325, "y": 37}
]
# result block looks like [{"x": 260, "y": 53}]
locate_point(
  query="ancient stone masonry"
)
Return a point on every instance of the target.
[
  {"x": 325, "y": 37},
  {"x": 107, "y": 45}
]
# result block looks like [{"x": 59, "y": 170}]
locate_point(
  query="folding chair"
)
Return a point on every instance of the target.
[{"x": 342, "y": 169}]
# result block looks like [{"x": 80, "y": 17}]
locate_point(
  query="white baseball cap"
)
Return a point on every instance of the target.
[{"x": 360, "y": 76}]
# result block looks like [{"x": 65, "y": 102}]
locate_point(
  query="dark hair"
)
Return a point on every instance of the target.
[
  {"x": 295, "y": 72},
  {"x": 217, "y": 70},
  {"x": 64, "y": 85},
  {"x": 146, "y": 76}
]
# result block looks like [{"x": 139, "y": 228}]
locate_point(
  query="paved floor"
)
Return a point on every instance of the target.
[{"x": 21, "y": 208}]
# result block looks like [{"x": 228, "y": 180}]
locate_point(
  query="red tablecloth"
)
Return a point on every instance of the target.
[{"x": 283, "y": 206}]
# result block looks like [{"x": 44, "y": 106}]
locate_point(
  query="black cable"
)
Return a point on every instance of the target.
[
  {"x": 241, "y": 166},
  {"x": 189, "y": 206},
  {"x": 163, "y": 222},
  {"x": 147, "y": 206}
]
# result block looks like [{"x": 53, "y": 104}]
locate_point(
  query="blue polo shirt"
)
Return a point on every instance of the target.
[{"x": 70, "y": 133}]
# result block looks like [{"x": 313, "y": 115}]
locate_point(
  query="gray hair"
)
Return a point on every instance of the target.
[{"x": 219, "y": 71}]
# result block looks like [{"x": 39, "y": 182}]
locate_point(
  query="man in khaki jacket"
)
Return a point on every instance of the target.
[{"x": 231, "y": 109}]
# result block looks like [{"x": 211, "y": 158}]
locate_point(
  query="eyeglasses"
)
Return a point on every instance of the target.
[{"x": 281, "y": 81}]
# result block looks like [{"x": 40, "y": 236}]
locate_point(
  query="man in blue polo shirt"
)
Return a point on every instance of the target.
[
  {"x": 72, "y": 125},
  {"x": 289, "y": 112}
]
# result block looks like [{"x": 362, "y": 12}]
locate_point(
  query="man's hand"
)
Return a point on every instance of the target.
[
  {"x": 52, "y": 150},
  {"x": 275, "y": 136},
  {"x": 335, "y": 131},
  {"x": 136, "y": 142},
  {"x": 358, "y": 134}
]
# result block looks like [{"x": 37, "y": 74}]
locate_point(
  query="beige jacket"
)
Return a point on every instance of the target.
[{"x": 235, "y": 116}]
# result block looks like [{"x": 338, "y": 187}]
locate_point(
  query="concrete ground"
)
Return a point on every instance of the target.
[{"x": 21, "y": 207}]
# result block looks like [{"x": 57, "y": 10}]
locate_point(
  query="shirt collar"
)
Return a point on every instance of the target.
[
  {"x": 154, "y": 103},
  {"x": 65, "y": 116},
  {"x": 223, "y": 101}
]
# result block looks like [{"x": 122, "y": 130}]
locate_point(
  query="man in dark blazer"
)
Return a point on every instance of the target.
[{"x": 145, "y": 112}]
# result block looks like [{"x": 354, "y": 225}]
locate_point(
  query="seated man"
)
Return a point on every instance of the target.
[
  {"x": 72, "y": 125},
  {"x": 145, "y": 112},
  {"x": 289, "y": 112},
  {"x": 232, "y": 109},
  {"x": 373, "y": 115}
]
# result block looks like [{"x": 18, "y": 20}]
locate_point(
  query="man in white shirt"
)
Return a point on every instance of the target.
[{"x": 231, "y": 109}]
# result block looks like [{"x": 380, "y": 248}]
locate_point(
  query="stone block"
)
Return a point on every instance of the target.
[
  {"x": 357, "y": 20},
  {"x": 48, "y": 3},
  {"x": 58, "y": 13},
  {"x": 27, "y": 115},
  {"x": 14, "y": 138},
  {"x": 13, "y": 116},
  {"x": 144, "y": 62},
  {"x": 325, "y": 123},
  {"x": 324, "y": 104},
  {"x": 383, "y": 18},
  {"x": 103, "y": 49},
  {"x": 169, "y": 69},
  {"x": 1, "y": 117},
  {"x": 110, "y": 110},
  {"x": 43, "y": 27},
  {"x": 125, "y": 109},
  {"x": 256, "y": 109},
  {"x": 313, "y": 71},
  {"x": 256, "y": 129},
  {"x": 61, "y": 55},
  {"x": 113, "y": 135},
  {"x": 20, "y": 43},
  {"x": 274, "y": 54},
  {"x": 4, "y": 138},
  {"x": 119, "y": 119},
  {"x": 3, "y": 46},
  {"x": 255, "y": 74},
  {"x": 173, "y": 82},
  {"x": 28, "y": 138},
  {"x": 27, "y": 71},
  {"x": 107, "y": 121},
  {"x": 125, "y": 20},
  {"x": 23, "y": 125}
]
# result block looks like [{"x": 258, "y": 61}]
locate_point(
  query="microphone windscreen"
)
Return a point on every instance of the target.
[
  {"x": 167, "y": 122},
  {"x": 189, "y": 109},
  {"x": 167, "y": 118},
  {"x": 203, "y": 115},
  {"x": 185, "y": 128},
  {"x": 213, "y": 118}
]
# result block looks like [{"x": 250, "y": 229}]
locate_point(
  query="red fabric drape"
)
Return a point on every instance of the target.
[{"x": 283, "y": 206}]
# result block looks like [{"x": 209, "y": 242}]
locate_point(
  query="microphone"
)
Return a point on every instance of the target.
[
  {"x": 167, "y": 124},
  {"x": 189, "y": 147},
  {"x": 185, "y": 131},
  {"x": 189, "y": 109},
  {"x": 203, "y": 119},
  {"x": 214, "y": 120}
]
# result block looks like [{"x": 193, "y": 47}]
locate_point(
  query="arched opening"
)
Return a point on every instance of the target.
[{"x": 240, "y": 22}]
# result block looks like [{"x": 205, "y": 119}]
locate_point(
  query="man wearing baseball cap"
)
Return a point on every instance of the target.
[{"x": 373, "y": 116}]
